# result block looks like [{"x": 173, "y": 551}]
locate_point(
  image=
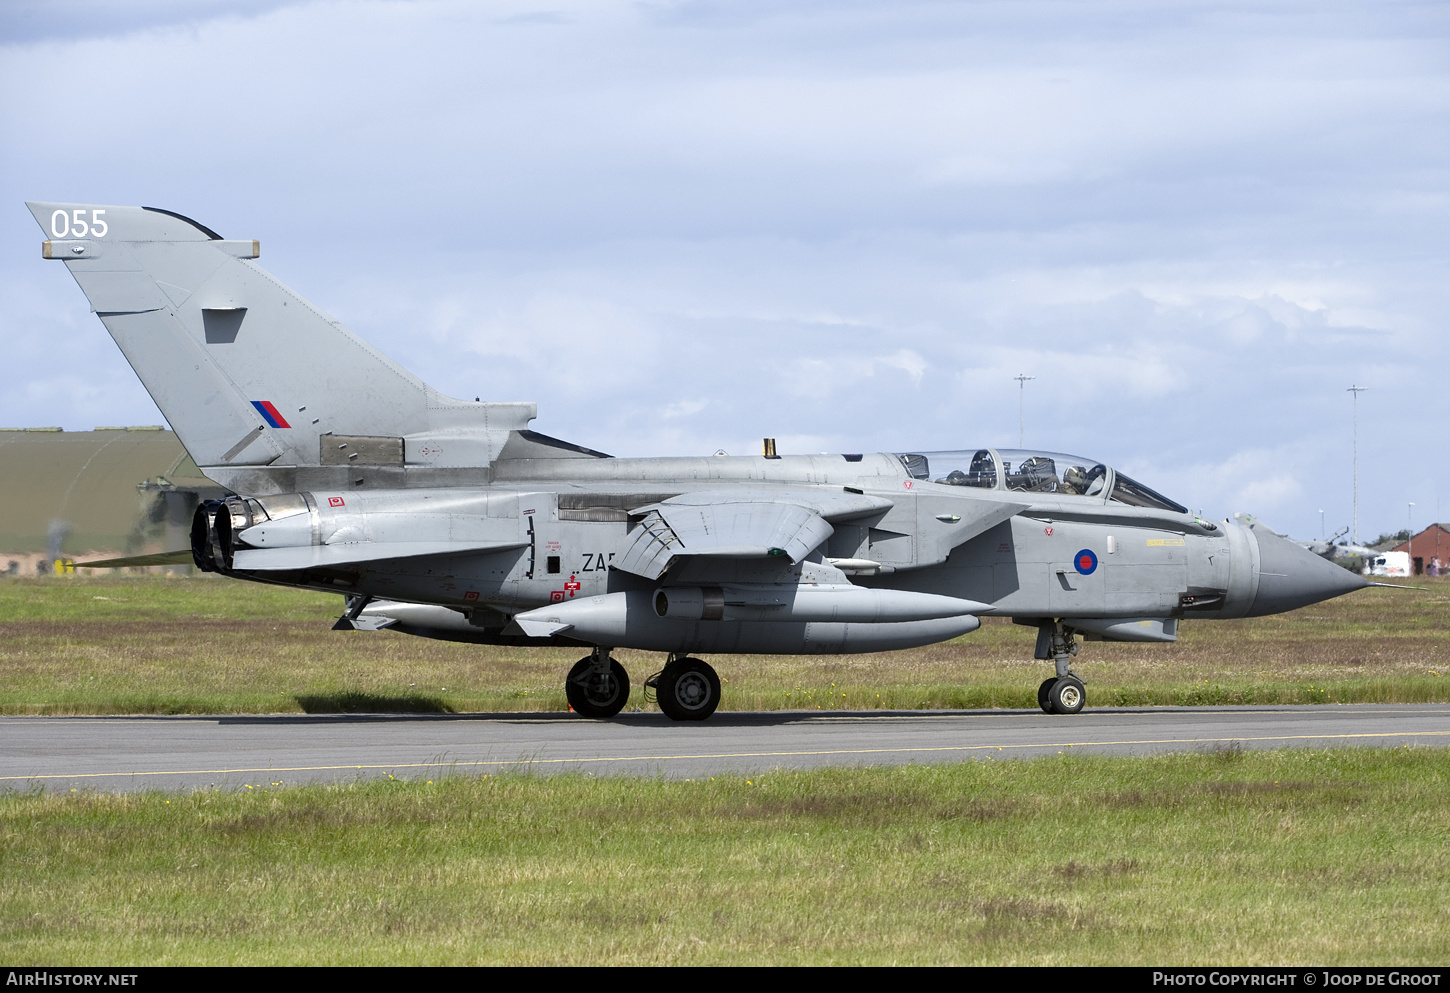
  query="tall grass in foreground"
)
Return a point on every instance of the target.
[{"x": 1295, "y": 857}]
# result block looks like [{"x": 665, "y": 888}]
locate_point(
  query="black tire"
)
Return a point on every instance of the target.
[
  {"x": 1044, "y": 699},
  {"x": 1067, "y": 695},
  {"x": 688, "y": 690},
  {"x": 594, "y": 694}
]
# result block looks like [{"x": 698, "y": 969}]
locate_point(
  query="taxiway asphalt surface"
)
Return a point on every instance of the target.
[{"x": 232, "y": 752}]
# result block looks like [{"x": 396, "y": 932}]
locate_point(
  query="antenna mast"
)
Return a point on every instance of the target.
[
  {"x": 1356, "y": 391},
  {"x": 1022, "y": 380}
]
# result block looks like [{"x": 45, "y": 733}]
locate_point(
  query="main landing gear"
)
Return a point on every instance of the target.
[
  {"x": 597, "y": 686},
  {"x": 687, "y": 688},
  {"x": 1064, "y": 693}
]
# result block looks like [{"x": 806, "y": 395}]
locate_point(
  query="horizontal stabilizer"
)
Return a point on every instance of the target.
[
  {"x": 182, "y": 557},
  {"x": 352, "y": 553}
]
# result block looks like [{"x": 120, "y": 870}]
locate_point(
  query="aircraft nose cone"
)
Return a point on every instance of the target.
[{"x": 1291, "y": 576}]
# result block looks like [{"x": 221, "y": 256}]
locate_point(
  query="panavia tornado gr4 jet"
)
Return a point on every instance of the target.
[{"x": 451, "y": 519}]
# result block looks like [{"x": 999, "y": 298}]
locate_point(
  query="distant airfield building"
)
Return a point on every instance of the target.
[
  {"x": 68, "y": 495},
  {"x": 1429, "y": 551}
]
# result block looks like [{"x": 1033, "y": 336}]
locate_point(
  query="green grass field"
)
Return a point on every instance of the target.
[
  {"x": 1338, "y": 857},
  {"x": 153, "y": 645},
  {"x": 1296, "y": 857}
]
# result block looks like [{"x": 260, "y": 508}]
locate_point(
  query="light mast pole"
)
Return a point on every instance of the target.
[
  {"x": 1356, "y": 391},
  {"x": 1022, "y": 381}
]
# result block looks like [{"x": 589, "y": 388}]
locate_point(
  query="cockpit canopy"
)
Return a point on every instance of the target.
[{"x": 1034, "y": 472}]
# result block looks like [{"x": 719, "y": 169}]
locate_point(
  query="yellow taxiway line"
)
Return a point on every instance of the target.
[{"x": 725, "y": 755}]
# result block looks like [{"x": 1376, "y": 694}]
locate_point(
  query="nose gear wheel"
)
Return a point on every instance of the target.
[
  {"x": 1065, "y": 696},
  {"x": 1043, "y": 699}
]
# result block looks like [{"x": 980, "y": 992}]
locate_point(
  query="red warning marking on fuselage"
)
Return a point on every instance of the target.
[
  {"x": 335, "y": 502},
  {"x": 471, "y": 595},
  {"x": 555, "y": 596},
  {"x": 1047, "y": 531}
]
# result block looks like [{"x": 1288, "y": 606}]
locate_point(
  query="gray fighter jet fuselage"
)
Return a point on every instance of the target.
[{"x": 450, "y": 519}]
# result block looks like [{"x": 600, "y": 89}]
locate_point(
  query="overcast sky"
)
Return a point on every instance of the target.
[{"x": 682, "y": 227}]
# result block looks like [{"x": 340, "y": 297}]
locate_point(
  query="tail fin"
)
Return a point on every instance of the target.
[{"x": 247, "y": 372}]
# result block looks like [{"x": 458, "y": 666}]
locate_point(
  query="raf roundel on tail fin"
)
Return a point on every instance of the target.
[{"x": 208, "y": 330}]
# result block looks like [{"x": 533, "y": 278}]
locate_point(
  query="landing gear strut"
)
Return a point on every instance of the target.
[
  {"x": 597, "y": 686},
  {"x": 1063, "y": 693},
  {"x": 687, "y": 689}
]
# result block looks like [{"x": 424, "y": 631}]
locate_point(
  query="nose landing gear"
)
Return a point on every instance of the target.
[{"x": 1064, "y": 693}]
